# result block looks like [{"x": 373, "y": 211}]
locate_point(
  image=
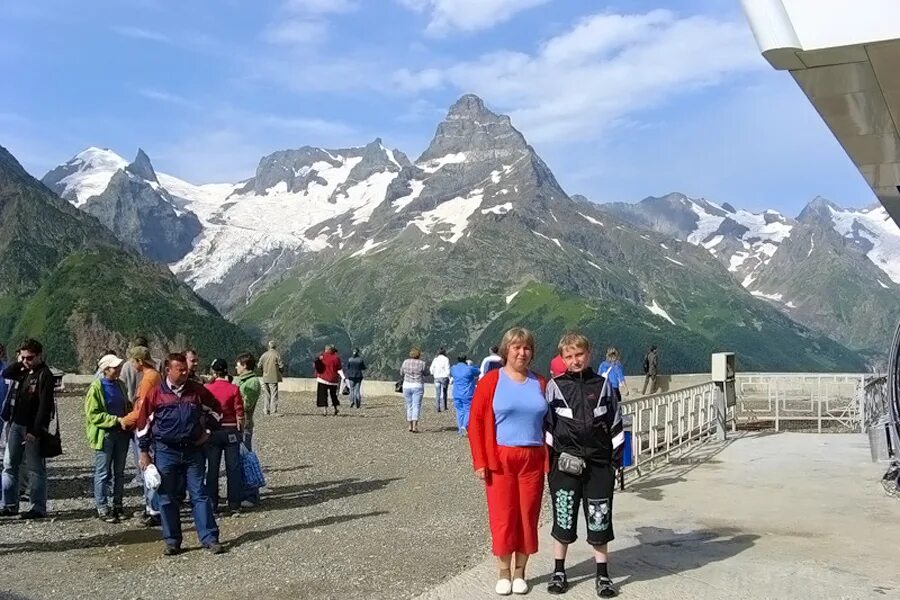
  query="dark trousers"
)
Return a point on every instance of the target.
[
  {"x": 323, "y": 391},
  {"x": 225, "y": 441},
  {"x": 182, "y": 468}
]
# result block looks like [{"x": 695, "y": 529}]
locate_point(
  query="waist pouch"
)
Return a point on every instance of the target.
[{"x": 570, "y": 464}]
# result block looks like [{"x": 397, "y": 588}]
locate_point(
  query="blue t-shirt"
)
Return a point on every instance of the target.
[
  {"x": 464, "y": 379},
  {"x": 519, "y": 410},
  {"x": 115, "y": 399},
  {"x": 616, "y": 374}
]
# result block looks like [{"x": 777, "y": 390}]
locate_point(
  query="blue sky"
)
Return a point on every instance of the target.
[{"x": 622, "y": 99}]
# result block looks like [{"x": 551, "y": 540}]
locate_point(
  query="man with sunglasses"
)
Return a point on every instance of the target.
[{"x": 31, "y": 415}]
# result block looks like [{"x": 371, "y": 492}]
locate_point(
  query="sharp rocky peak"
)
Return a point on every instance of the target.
[
  {"x": 818, "y": 210},
  {"x": 473, "y": 129},
  {"x": 142, "y": 168}
]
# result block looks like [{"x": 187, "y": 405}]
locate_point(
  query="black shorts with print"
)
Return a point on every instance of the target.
[{"x": 594, "y": 490}]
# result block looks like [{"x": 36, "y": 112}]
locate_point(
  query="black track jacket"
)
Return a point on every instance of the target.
[{"x": 584, "y": 418}]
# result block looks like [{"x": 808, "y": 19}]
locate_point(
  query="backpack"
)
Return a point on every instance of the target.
[{"x": 647, "y": 363}]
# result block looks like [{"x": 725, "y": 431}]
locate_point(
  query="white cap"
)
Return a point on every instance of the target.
[{"x": 109, "y": 361}]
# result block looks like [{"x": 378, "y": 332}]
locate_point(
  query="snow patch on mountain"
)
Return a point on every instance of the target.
[
  {"x": 401, "y": 203},
  {"x": 657, "y": 310},
  {"x": 455, "y": 213},
  {"x": 500, "y": 209},
  {"x": 591, "y": 220},
  {"x": 436, "y": 164},
  {"x": 877, "y": 230}
]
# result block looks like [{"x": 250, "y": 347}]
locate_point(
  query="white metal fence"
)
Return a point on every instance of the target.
[
  {"x": 801, "y": 401},
  {"x": 667, "y": 424}
]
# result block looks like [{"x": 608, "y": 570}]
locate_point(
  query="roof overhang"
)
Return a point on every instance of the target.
[{"x": 845, "y": 56}]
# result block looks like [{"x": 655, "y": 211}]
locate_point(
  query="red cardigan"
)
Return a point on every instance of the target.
[{"x": 482, "y": 428}]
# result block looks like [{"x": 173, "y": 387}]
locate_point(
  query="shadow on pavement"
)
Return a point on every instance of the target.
[
  {"x": 257, "y": 536},
  {"x": 309, "y": 494},
  {"x": 662, "y": 552}
]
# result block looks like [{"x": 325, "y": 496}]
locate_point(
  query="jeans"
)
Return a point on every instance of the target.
[
  {"x": 17, "y": 451},
  {"x": 462, "y": 405},
  {"x": 138, "y": 474},
  {"x": 270, "y": 390},
  {"x": 413, "y": 397},
  {"x": 355, "y": 396},
  {"x": 440, "y": 392},
  {"x": 180, "y": 467},
  {"x": 109, "y": 470},
  {"x": 227, "y": 440}
]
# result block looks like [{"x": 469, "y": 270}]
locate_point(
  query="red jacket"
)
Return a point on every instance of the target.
[
  {"x": 327, "y": 367},
  {"x": 482, "y": 426},
  {"x": 230, "y": 401}
]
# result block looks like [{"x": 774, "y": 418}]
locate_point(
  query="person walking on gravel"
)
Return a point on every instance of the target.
[
  {"x": 440, "y": 370},
  {"x": 464, "y": 377},
  {"x": 174, "y": 419},
  {"x": 651, "y": 370},
  {"x": 506, "y": 437},
  {"x": 584, "y": 427},
  {"x": 413, "y": 372},
  {"x": 353, "y": 371},
  {"x": 273, "y": 370},
  {"x": 328, "y": 378},
  {"x": 105, "y": 405}
]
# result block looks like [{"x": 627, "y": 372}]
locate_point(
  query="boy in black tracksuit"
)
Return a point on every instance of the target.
[{"x": 584, "y": 428}]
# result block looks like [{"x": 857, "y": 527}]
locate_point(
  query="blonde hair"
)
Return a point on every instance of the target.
[
  {"x": 513, "y": 336},
  {"x": 415, "y": 353},
  {"x": 575, "y": 340},
  {"x": 612, "y": 353}
]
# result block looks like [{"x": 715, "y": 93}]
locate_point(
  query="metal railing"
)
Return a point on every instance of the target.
[
  {"x": 669, "y": 423},
  {"x": 801, "y": 401}
]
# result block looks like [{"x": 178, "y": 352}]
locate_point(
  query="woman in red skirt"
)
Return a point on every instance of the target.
[{"x": 508, "y": 452}]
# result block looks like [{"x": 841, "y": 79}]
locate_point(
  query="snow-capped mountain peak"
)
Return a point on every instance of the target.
[{"x": 84, "y": 175}]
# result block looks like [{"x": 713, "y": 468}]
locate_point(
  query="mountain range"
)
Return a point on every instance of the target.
[
  {"x": 365, "y": 248},
  {"x": 68, "y": 281}
]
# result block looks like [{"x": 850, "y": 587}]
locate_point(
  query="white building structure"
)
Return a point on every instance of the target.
[{"x": 845, "y": 56}]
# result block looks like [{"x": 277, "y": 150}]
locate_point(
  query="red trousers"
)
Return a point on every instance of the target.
[{"x": 514, "y": 499}]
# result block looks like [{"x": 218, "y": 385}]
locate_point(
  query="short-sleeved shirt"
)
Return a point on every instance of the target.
[
  {"x": 519, "y": 410},
  {"x": 413, "y": 370},
  {"x": 616, "y": 373}
]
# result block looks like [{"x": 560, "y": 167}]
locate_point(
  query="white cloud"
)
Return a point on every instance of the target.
[
  {"x": 167, "y": 97},
  {"x": 601, "y": 71},
  {"x": 142, "y": 34},
  {"x": 296, "y": 32},
  {"x": 468, "y": 15},
  {"x": 320, "y": 7}
]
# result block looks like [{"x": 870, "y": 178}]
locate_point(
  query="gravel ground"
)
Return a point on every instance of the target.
[{"x": 356, "y": 507}]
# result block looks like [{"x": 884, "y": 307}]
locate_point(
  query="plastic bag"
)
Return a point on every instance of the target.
[
  {"x": 152, "y": 478},
  {"x": 251, "y": 470}
]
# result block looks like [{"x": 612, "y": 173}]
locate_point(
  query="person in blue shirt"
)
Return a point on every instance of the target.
[
  {"x": 611, "y": 368},
  {"x": 464, "y": 377}
]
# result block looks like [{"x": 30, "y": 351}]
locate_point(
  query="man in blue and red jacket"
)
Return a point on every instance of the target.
[{"x": 174, "y": 420}]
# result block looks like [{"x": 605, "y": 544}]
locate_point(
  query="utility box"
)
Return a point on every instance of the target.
[{"x": 723, "y": 367}]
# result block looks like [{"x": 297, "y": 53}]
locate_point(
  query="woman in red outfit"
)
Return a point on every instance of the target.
[{"x": 508, "y": 452}]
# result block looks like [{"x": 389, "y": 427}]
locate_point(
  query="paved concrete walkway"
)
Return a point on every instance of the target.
[{"x": 763, "y": 516}]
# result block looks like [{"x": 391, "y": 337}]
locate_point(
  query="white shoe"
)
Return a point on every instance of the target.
[
  {"x": 504, "y": 587},
  {"x": 519, "y": 586}
]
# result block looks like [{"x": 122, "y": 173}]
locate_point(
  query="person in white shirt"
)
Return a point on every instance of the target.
[
  {"x": 440, "y": 370},
  {"x": 491, "y": 361}
]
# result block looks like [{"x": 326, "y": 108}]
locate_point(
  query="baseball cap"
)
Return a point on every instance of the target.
[
  {"x": 109, "y": 361},
  {"x": 141, "y": 353}
]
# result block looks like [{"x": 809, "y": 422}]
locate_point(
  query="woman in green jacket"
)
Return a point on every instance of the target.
[
  {"x": 105, "y": 403},
  {"x": 251, "y": 389}
]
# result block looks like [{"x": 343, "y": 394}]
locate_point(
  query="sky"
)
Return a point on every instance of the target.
[{"x": 622, "y": 99}]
